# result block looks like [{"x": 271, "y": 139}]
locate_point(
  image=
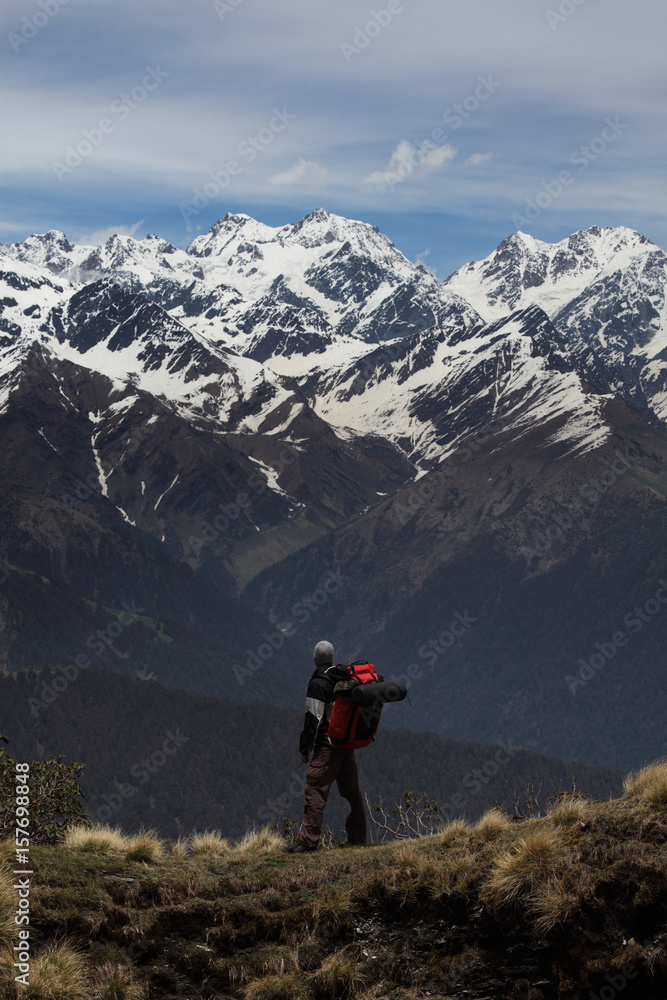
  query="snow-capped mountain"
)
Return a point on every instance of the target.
[
  {"x": 283, "y": 293},
  {"x": 275, "y": 425},
  {"x": 329, "y": 309},
  {"x": 603, "y": 289}
]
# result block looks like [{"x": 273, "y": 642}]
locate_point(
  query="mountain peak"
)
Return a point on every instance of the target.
[
  {"x": 322, "y": 217},
  {"x": 52, "y": 238},
  {"x": 319, "y": 215},
  {"x": 239, "y": 218},
  {"x": 225, "y": 231},
  {"x": 523, "y": 270}
]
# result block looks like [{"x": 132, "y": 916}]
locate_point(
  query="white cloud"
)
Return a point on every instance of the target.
[
  {"x": 477, "y": 158},
  {"x": 406, "y": 160},
  {"x": 552, "y": 92},
  {"x": 303, "y": 172},
  {"x": 100, "y": 236},
  {"x": 403, "y": 158},
  {"x": 437, "y": 157}
]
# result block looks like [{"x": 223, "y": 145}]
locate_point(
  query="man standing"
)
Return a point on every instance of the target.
[{"x": 329, "y": 763}]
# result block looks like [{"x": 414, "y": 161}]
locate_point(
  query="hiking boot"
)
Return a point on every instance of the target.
[{"x": 298, "y": 848}]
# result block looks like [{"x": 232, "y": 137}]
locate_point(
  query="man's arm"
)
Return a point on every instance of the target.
[{"x": 316, "y": 699}]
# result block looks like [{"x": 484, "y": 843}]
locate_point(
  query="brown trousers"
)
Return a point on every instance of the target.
[{"x": 331, "y": 764}]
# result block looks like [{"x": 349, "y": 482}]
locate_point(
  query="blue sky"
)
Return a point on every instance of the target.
[{"x": 448, "y": 124}]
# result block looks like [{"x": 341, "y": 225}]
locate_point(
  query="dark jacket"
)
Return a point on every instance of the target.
[{"x": 319, "y": 703}]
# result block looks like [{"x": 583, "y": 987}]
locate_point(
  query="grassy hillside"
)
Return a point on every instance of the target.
[{"x": 563, "y": 907}]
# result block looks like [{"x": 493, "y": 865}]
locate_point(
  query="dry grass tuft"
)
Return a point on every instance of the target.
[
  {"x": 180, "y": 848},
  {"x": 146, "y": 846},
  {"x": 7, "y": 894},
  {"x": 8, "y": 900},
  {"x": 58, "y": 973},
  {"x": 650, "y": 784},
  {"x": 334, "y": 905},
  {"x": 273, "y": 988},
  {"x": 569, "y": 809},
  {"x": 258, "y": 844},
  {"x": 552, "y": 903},
  {"x": 339, "y": 976},
  {"x": 116, "y": 982},
  {"x": 492, "y": 824},
  {"x": 456, "y": 829},
  {"x": 7, "y": 852},
  {"x": 519, "y": 871},
  {"x": 100, "y": 839},
  {"x": 407, "y": 852},
  {"x": 210, "y": 844},
  {"x": 378, "y": 991}
]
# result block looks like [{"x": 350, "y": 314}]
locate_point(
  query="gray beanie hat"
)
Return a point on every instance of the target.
[{"x": 323, "y": 653}]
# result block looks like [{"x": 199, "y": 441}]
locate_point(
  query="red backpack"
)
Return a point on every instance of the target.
[{"x": 351, "y": 725}]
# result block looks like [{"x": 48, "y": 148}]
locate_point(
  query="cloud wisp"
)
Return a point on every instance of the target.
[
  {"x": 304, "y": 172},
  {"x": 408, "y": 160}
]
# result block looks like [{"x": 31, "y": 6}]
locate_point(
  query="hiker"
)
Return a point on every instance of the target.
[{"x": 329, "y": 763}]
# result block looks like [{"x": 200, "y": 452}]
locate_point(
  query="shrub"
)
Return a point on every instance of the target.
[
  {"x": 54, "y": 797},
  {"x": 419, "y": 816}
]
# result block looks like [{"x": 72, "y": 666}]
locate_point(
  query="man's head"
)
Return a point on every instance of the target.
[{"x": 323, "y": 653}]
